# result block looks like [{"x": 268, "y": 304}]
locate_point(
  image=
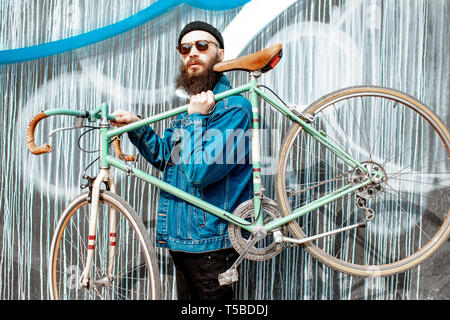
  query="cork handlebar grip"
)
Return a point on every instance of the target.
[
  {"x": 29, "y": 136},
  {"x": 119, "y": 153}
]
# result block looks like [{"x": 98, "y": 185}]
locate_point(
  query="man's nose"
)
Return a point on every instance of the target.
[{"x": 194, "y": 52}]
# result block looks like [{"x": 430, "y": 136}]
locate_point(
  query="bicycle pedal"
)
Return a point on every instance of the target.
[{"x": 228, "y": 277}]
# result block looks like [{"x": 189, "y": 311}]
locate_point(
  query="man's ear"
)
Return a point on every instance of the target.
[{"x": 221, "y": 55}]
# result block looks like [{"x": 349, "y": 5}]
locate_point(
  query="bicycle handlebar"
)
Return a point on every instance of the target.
[
  {"x": 29, "y": 136},
  {"x": 46, "y": 148},
  {"x": 119, "y": 153}
]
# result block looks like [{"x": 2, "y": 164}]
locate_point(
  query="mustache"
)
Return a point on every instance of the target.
[{"x": 195, "y": 61}]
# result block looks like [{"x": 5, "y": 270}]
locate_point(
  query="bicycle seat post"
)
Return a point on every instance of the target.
[
  {"x": 255, "y": 75},
  {"x": 256, "y": 151}
]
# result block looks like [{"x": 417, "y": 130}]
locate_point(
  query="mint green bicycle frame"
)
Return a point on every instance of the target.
[{"x": 106, "y": 160}]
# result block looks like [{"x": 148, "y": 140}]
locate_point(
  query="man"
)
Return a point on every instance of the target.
[{"x": 206, "y": 153}]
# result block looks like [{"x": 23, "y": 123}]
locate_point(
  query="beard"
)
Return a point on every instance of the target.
[{"x": 200, "y": 81}]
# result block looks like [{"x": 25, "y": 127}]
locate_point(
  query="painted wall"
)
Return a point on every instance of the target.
[{"x": 328, "y": 44}]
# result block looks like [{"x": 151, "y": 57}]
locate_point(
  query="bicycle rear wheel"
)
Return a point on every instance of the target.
[
  {"x": 380, "y": 128},
  {"x": 135, "y": 272}
]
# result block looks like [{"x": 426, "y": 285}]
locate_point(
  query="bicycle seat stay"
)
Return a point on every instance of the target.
[{"x": 263, "y": 61}]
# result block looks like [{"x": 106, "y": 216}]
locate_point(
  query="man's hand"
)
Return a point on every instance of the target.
[
  {"x": 123, "y": 118},
  {"x": 202, "y": 103}
]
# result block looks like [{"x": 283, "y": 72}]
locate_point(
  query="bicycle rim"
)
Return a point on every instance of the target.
[
  {"x": 378, "y": 127},
  {"x": 135, "y": 273}
]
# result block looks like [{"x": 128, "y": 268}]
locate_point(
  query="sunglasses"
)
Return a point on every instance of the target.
[{"x": 201, "y": 45}]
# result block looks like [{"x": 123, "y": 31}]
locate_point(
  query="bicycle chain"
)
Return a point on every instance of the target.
[
  {"x": 360, "y": 201},
  {"x": 321, "y": 183}
]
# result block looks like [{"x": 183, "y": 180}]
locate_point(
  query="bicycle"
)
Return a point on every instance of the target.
[{"x": 365, "y": 200}]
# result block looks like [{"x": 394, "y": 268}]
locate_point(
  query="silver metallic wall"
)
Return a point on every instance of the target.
[{"x": 328, "y": 44}]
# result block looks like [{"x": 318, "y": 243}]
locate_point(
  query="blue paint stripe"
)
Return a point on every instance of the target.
[
  {"x": 64, "y": 45},
  {"x": 156, "y": 9}
]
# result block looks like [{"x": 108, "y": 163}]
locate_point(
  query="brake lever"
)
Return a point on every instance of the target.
[{"x": 77, "y": 125}]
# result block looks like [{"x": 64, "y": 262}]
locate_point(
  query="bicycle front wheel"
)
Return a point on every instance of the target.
[
  {"x": 135, "y": 274},
  {"x": 383, "y": 129}
]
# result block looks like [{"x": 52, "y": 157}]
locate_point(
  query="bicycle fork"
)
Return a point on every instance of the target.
[{"x": 85, "y": 281}]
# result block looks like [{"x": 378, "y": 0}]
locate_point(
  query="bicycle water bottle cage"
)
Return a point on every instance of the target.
[{"x": 263, "y": 61}]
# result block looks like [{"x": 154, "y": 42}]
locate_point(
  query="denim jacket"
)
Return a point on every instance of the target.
[{"x": 207, "y": 156}]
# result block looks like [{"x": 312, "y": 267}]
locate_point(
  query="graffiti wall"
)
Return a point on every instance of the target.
[{"x": 77, "y": 54}]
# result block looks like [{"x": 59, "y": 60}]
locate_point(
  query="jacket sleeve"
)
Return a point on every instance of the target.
[
  {"x": 213, "y": 146},
  {"x": 153, "y": 148}
]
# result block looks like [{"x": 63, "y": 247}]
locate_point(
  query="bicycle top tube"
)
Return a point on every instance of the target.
[
  {"x": 101, "y": 110},
  {"x": 172, "y": 112}
]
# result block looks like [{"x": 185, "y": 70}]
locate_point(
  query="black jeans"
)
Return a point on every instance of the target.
[{"x": 197, "y": 274}]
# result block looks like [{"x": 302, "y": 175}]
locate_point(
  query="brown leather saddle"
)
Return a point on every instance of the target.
[{"x": 263, "y": 61}]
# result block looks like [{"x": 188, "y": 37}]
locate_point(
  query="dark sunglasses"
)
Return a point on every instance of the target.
[{"x": 201, "y": 45}]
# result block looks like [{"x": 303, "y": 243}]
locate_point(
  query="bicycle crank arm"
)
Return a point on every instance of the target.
[
  {"x": 231, "y": 275},
  {"x": 278, "y": 236}
]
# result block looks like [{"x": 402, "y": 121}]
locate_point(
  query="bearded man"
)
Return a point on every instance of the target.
[{"x": 204, "y": 153}]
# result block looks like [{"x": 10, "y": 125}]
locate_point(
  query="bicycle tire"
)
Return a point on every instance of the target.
[
  {"x": 134, "y": 279},
  {"x": 405, "y": 124}
]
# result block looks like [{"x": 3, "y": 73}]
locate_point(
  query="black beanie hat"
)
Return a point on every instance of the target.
[{"x": 203, "y": 26}]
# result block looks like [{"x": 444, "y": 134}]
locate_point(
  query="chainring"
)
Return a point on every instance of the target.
[{"x": 264, "y": 249}]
